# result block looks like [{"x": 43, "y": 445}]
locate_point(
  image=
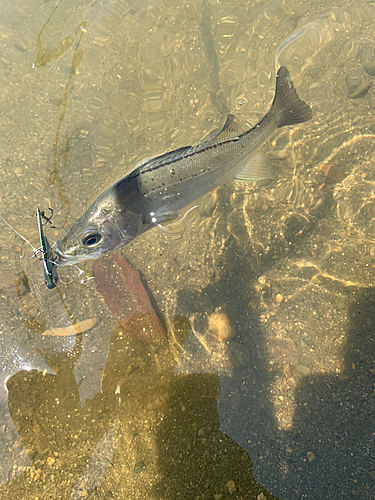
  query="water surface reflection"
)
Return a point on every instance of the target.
[{"x": 89, "y": 90}]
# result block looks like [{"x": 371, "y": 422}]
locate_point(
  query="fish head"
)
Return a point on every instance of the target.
[{"x": 100, "y": 230}]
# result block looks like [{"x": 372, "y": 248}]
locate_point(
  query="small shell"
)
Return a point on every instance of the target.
[{"x": 220, "y": 327}]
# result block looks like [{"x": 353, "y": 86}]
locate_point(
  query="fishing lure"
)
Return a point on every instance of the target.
[{"x": 49, "y": 266}]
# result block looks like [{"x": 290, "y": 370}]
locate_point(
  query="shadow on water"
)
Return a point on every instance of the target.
[
  {"x": 192, "y": 436},
  {"x": 329, "y": 451},
  {"x": 245, "y": 411},
  {"x": 197, "y": 459},
  {"x": 167, "y": 436},
  {"x": 195, "y": 436},
  {"x": 54, "y": 429},
  {"x": 334, "y": 419},
  {"x": 149, "y": 434}
]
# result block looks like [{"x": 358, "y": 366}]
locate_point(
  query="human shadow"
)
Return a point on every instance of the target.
[
  {"x": 244, "y": 408},
  {"x": 160, "y": 430},
  {"x": 335, "y": 419},
  {"x": 329, "y": 451}
]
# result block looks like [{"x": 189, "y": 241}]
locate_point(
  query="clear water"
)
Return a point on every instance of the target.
[{"x": 286, "y": 408}]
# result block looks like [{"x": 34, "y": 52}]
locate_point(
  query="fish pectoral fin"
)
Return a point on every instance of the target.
[
  {"x": 256, "y": 169},
  {"x": 158, "y": 219}
]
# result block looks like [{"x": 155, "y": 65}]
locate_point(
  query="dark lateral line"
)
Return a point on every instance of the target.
[{"x": 137, "y": 172}]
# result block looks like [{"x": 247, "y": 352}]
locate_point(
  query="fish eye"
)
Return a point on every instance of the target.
[{"x": 91, "y": 239}]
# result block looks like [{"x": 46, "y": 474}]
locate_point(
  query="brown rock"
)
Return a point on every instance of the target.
[
  {"x": 126, "y": 297},
  {"x": 333, "y": 172}
]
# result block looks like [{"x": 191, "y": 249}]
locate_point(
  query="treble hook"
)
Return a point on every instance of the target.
[{"x": 47, "y": 219}]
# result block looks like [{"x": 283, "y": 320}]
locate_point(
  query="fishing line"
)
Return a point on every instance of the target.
[
  {"x": 35, "y": 250},
  {"x": 82, "y": 281}
]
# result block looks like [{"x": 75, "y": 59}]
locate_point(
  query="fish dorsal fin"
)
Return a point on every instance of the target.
[
  {"x": 230, "y": 130},
  {"x": 164, "y": 159}
]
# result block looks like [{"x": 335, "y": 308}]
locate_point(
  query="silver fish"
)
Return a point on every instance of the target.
[{"x": 155, "y": 191}]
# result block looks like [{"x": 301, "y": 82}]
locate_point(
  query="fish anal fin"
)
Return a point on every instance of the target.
[
  {"x": 228, "y": 121},
  {"x": 256, "y": 169}
]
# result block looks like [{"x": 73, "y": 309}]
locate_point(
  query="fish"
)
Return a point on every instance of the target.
[{"x": 155, "y": 191}]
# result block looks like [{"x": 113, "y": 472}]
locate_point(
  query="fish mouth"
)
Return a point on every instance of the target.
[{"x": 63, "y": 259}]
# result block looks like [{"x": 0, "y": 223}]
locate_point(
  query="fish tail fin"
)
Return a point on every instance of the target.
[{"x": 288, "y": 108}]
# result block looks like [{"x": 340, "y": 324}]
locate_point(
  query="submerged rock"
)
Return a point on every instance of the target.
[
  {"x": 126, "y": 297},
  {"x": 220, "y": 327}
]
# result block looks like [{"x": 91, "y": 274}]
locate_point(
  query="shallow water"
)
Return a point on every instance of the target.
[{"x": 286, "y": 407}]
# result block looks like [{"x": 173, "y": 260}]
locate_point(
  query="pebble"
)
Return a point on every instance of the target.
[
  {"x": 231, "y": 485},
  {"x": 139, "y": 466},
  {"x": 220, "y": 327},
  {"x": 261, "y": 496},
  {"x": 279, "y": 298},
  {"x": 310, "y": 456},
  {"x": 333, "y": 172}
]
